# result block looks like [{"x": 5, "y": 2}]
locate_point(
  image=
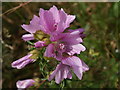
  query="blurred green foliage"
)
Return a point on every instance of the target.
[{"x": 100, "y": 21}]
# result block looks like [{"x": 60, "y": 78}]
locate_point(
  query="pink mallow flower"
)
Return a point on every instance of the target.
[
  {"x": 65, "y": 43},
  {"x": 64, "y": 47},
  {"x": 22, "y": 84},
  {"x": 22, "y": 62},
  {"x": 50, "y": 22},
  {"x": 77, "y": 65},
  {"x": 63, "y": 70}
]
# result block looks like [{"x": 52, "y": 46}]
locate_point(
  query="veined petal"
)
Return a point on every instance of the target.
[
  {"x": 33, "y": 26},
  {"x": 48, "y": 17},
  {"x": 72, "y": 61},
  {"x": 42, "y": 21},
  {"x": 27, "y": 37},
  {"x": 85, "y": 67},
  {"x": 78, "y": 71},
  {"x": 69, "y": 75},
  {"x": 49, "y": 52},
  {"x": 22, "y": 84},
  {"x": 55, "y": 13},
  {"x": 57, "y": 36},
  {"x": 63, "y": 15},
  {"x": 60, "y": 27},
  {"x": 70, "y": 18},
  {"x": 65, "y": 71},
  {"x": 61, "y": 72},
  {"x": 52, "y": 75},
  {"x": 22, "y": 59},
  {"x": 47, "y": 21},
  {"x": 76, "y": 49},
  {"x": 58, "y": 77},
  {"x": 77, "y": 65},
  {"x": 78, "y": 32},
  {"x": 72, "y": 39},
  {"x": 22, "y": 62}
]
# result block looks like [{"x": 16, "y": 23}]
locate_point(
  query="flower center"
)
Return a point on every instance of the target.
[
  {"x": 61, "y": 46},
  {"x": 39, "y": 35}
]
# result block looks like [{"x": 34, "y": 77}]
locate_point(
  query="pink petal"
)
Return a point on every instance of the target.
[
  {"x": 76, "y": 49},
  {"x": 22, "y": 59},
  {"x": 48, "y": 17},
  {"x": 58, "y": 77},
  {"x": 85, "y": 67},
  {"x": 72, "y": 39},
  {"x": 72, "y": 61},
  {"x": 22, "y": 62},
  {"x": 69, "y": 75},
  {"x": 70, "y": 18},
  {"x": 46, "y": 21},
  {"x": 55, "y": 13},
  {"x": 39, "y": 44},
  {"x": 49, "y": 52},
  {"x": 57, "y": 36},
  {"x": 52, "y": 75},
  {"x": 63, "y": 15},
  {"x": 28, "y": 37},
  {"x": 22, "y": 84},
  {"x": 79, "y": 32},
  {"x": 33, "y": 26},
  {"x": 61, "y": 72},
  {"x": 42, "y": 21},
  {"x": 65, "y": 71},
  {"x": 60, "y": 27},
  {"x": 77, "y": 65},
  {"x": 78, "y": 71}
]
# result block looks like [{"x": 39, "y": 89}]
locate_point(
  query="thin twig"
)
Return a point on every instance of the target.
[
  {"x": 109, "y": 52},
  {"x": 15, "y": 8},
  {"x": 41, "y": 83}
]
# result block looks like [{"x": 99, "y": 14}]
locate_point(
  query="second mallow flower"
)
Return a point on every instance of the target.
[{"x": 63, "y": 70}]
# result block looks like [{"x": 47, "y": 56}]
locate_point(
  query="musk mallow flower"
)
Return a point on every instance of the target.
[
  {"x": 65, "y": 43},
  {"x": 49, "y": 21},
  {"x": 77, "y": 65},
  {"x": 63, "y": 70},
  {"x": 29, "y": 58},
  {"x": 22, "y": 84},
  {"x": 63, "y": 48},
  {"x": 49, "y": 30},
  {"x": 54, "y": 20}
]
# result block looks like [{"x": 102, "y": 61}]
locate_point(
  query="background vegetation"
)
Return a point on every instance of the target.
[{"x": 100, "y": 21}]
